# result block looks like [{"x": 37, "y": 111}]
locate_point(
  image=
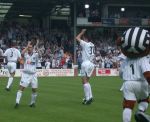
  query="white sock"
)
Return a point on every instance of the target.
[
  {"x": 143, "y": 106},
  {"x": 86, "y": 91},
  {"x": 33, "y": 98},
  {"x": 127, "y": 113},
  {"x": 19, "y": 94},
  {"x": 10, "y": 80},
  {"x": 90, "y": 91}
]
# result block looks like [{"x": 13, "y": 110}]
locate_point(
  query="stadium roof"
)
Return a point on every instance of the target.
[
  {"x": 13, "y": 8},
  {"x": 38, "y": 8}
]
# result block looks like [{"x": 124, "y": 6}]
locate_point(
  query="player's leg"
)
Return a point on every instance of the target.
[
  {"x": 85, "y": 88},
  {"x": 128, "y": 106},
  {"x": 24, "y": 82},
  {"x": 84, "y": 82},
  {"x": 11, "y": 69},
  {"x": 143, "y": 104},
  {"x": 10, "y": 81},
  {"x": 88, "y": 99},
  {"x": 34, "y": 85},
  {"x": 128, "y": 102},
  {"x": 140, "y": 116},
  {"x": 88, "y": 70},
  {"x": 90, "y": 89},
  {"x": 19, "y": 95},
  {"x": 33, "y": 97}
]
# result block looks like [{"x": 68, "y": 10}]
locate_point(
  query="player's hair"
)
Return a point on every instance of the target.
[
  {"x": 12, "y": 43},
  {"x": 87, "y": 36}
]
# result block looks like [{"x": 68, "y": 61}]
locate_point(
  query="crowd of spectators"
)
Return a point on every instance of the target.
[{"x": 56, "y": 49}]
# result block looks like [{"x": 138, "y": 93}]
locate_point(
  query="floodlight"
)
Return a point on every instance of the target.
[{"x": 86, "y": 6}]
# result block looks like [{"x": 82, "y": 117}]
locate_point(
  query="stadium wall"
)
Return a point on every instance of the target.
[
  {"x": 114, "y": 22},
  {"x": 107, "y": 72},
  {"x": 63, "y": 72}
]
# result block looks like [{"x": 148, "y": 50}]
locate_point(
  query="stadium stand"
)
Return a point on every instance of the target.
[{"x": 52, "y": 23}]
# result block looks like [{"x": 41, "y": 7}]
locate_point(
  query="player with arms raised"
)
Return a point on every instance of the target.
[
  {"x": 135, "y": 72},
  {"x": 29, "y": 76},
  {"x": 87, "y": 65},
  {"x": 12, "y": 56}
]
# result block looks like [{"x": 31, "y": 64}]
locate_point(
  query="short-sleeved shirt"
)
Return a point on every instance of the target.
[
  {"x": 133, "y": 69},
  {"x": 30, "y": 63},
  {"x": 88, "y": 50},
  {"x": 12, "y": 54}
]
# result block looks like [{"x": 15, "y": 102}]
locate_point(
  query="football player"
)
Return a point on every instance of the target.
[
  {"x": 29, "y": 76},
  {"x": 12, "y": 56},
  {"x": 87, "y": 65},
  {"x": 135, "y": 72}
]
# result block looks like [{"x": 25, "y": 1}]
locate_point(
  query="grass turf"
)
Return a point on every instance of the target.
[{"x": 59, "y": 100}]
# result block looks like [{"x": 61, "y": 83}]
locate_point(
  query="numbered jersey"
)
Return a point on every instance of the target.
[
  {"x": 30, "y": 63},
  {"x": 133, "y": 69},
  {"x": 12, "y": 54},
  {"x": 88, "y": 51}
]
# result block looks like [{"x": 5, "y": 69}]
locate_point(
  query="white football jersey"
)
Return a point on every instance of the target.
[
  {"x": 12, "y": 54},
  {"x": 133, "y": 69},
  {"x": 30, "y": 63},
  {"x": 88, "y": 50}
]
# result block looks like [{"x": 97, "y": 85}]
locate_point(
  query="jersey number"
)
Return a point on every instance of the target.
[
  {"x": 11, "y": 55},
  {"x": 132, "y": 67},
  {"x": 91, "y": 50}
]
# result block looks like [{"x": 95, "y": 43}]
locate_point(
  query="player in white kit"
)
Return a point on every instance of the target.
[
  {"x": 12, "y": 56},
  {"x": 133, "y": 72},
  {"x": 29, "y": 76},
  {"x": 87, "y": 65}
]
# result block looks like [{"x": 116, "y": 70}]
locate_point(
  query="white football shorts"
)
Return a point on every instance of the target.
[
  {"x": 11, "y": 66},
  {"x": 135, "y": 90},
  {"x": 87, "y": 68},
  {"x": 29, "y": 79}
]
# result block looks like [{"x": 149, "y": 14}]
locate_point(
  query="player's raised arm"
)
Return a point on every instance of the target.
[
  {"x": 78, "y": 37},
  {"x": 36, "y": 45},
  {"x": 26, "y": 49}
]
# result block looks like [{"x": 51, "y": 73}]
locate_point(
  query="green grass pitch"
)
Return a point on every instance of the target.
[{"x": 59, "y": 100}]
